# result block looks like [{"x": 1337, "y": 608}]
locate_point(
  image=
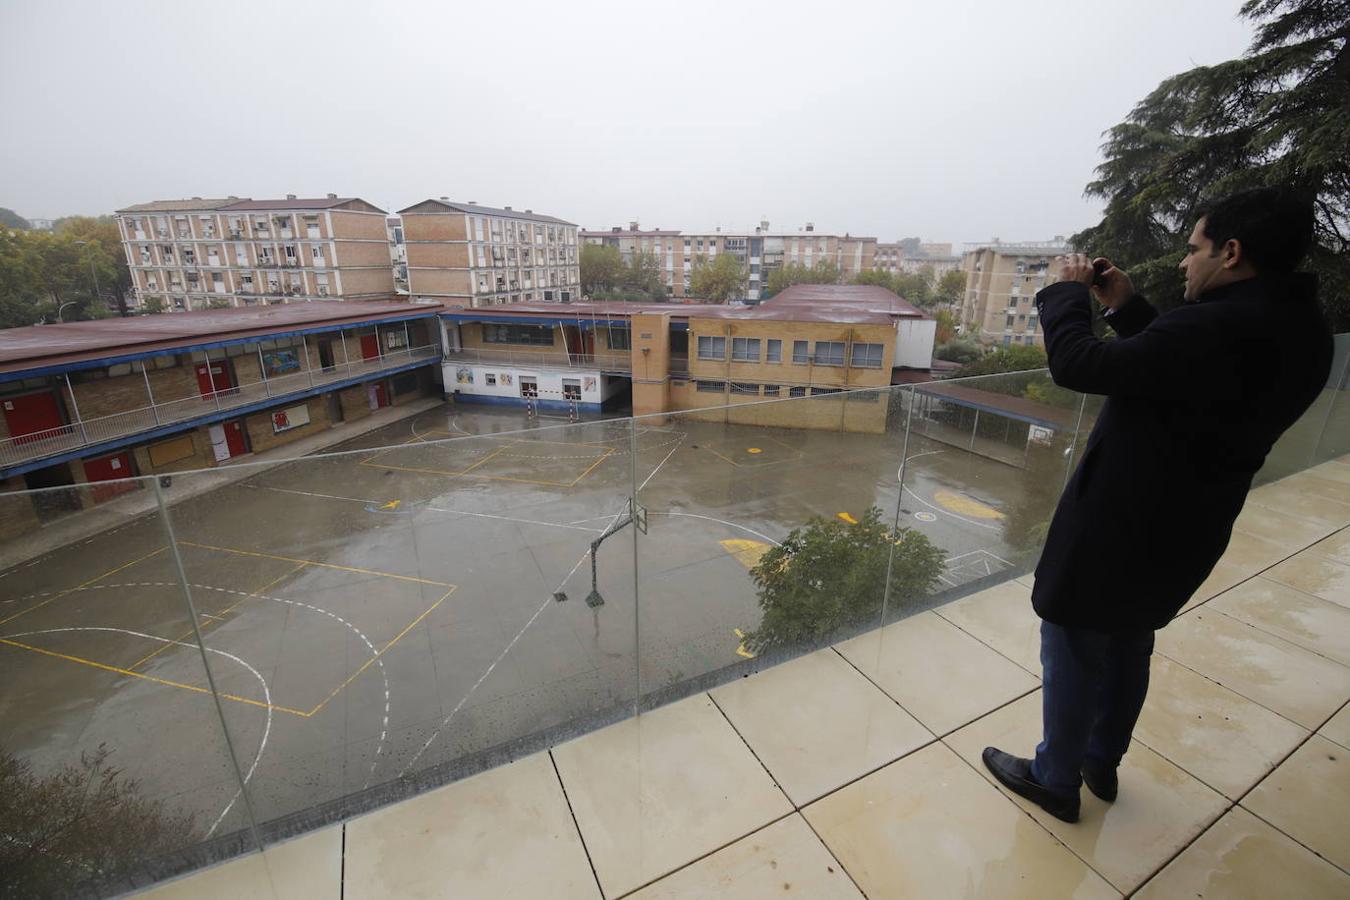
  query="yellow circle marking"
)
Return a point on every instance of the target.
[
  {"x": 753, "y": 450},
  {"x": 965, "y": 506}
]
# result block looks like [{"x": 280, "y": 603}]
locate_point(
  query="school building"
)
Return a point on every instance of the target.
[
  {"x": 810, "y": 340},
  {"x": 89, "y": 403}
]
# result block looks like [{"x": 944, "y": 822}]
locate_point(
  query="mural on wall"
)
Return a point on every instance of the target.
[
  {"x": 506, "y": 378},
  {"x": 588, "y": 384},
  {"x": 279, "y": 362},
  {"x": 464, "y": 376}
]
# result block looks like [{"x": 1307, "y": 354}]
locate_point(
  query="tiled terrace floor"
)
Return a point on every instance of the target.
[{"x": 855, "y": 771}]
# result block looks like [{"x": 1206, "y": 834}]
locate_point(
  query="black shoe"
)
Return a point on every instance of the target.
[
  {"x": 1014, "y": 773},
  {"x": 1102, "y": 782}
]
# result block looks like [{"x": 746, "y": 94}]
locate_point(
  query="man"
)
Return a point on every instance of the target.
[{"x": 1196, "y": 398}]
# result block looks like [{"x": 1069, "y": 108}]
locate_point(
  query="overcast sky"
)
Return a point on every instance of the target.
[{"x": 955, "y": 120}]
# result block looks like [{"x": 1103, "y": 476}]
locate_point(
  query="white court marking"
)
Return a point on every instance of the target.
[
  {"x": 488, "y": 671},
  {"x": 267, "y": 697}
]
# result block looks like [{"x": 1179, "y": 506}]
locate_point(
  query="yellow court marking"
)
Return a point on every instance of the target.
[
  {"x": 511, "y": 444},
  {"x": 847, "y": 517},
  {"x": 398, "y": 637},
  {"x": 392, "y": 504},
  {"x": 740, "y": 649},
  {"x": 83, "y": 584},
  {"x": 965, "y": 506},
  {"x": 312, "y": 562},
  {"x": 607, "y": 454},
  {"x": 753, "y": 450},
  {"x": 164, "y": 681},
  {"x": 220, "y": 616},
  {"x": 498, "y": 452},
  {"x": 746, "y": 552}
]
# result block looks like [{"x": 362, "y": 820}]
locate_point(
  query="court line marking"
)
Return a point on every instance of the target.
[
  {"x": 314, "y": 562},
  {"x": 218, "y": 616},
  {"x": 376, "y": 658},
  {"x": 507, "y": 649},
  {"x": 267, "y": 696},
  {"x": 84, "y": 584},
  {"x": 164, "y": 681},
  {"x": 758, "y": 534},
  {"x": 604, "y": 456},
  {"x": 440, "y": 509},
  {"x": 946, "y": 512}
]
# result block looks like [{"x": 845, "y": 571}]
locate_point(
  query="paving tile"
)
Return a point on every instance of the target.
[
  {"x": 1316, "y": 574},
  {"x": 1338, "y": 728},
  {"x": 1160, "y": 808},
  {"x": 1278, "y": 527},
  {"x": 1299, "y": 496},
  {"x": 1243, "y": 858},
  {"x": 1028, "y": 579},
  {"x": 308, "y": 866},
  {"x": 941, "y": 675},
  {"x": 785, "y": 859},
  {"x": 1336, "y": 547},
  {"x": 1320, "y": 484},
  {"x": 1330, "y": 471},
  {"x": 1222, "y": 738},
  {"x": 928, "y": 826},
  {"x": 1002, "y": 617},
  {"x": 658, "y": 791},
  {"x": 1244, "y": 557},
  {"x": 816, "y": 724},
  {"x": 1282, "y": 677},
  {"x": 1310, "y": 622},
  {"x": 1308, "y": 798},
  {"x": 504, "y": 833}
]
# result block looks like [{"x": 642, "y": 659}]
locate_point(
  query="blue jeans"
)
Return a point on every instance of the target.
[{"x": 1093, "y": 686}]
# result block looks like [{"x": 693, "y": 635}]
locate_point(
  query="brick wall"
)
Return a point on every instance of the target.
[
  {"x": 17, "y": 517},
  {"x": 259, "y": 425}
]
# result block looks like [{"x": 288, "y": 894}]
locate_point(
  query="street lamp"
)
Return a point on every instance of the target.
[{"x": 92, "y": 271}]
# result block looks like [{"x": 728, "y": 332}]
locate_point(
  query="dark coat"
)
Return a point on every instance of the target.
[{"x": 1196, "y": 397}]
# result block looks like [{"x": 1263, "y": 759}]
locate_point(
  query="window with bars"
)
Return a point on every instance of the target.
[
  {"x": 710, "y": 387},
  {"x": 772, "y": 390},
  {"x": 740, "y": 387},
  {"x": 796, "y": 392}
]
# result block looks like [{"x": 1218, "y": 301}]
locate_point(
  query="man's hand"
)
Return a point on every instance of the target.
[
  {"x": 1075, "y": 267},
  {"x": 1113, "y": 286}
]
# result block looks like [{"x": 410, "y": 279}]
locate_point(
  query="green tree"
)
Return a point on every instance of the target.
[
  {"x": 946, "y": 327},
  {"x": 602, "y": 268},
  {"x": 1278, "y": 115},
  {"x": 153, "y": 306},
  {"x": 84, "y": 823},
  {"x": 916, "y": 287},
  {"x": 784, "y": 277},
  {"x": 961, "y": 350},
  {"x": 878, "y": 277},
  {"x": 719, "y": 280},
  {"x": 642, "y": 277},
  {"x": 829, "y": 575},
  {"x": 101, "y": 247},
  {"x": 950, "y": 288},
  {"x": 1013, "y": 358},
  {"x": 10, "y": 219}
]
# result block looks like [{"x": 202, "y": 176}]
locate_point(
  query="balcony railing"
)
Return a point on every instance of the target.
[
  {"x": 101, "y": 429},
  {"x": 609, "y": 361},
  {"x": 329, "y": 636}
]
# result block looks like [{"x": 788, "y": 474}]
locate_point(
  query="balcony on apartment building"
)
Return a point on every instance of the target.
[{"x": 598, "y": 661}]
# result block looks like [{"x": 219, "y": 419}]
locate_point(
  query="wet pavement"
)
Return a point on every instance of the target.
[{"x": 390, "y": 607}]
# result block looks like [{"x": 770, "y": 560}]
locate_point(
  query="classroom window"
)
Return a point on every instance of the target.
[
  {"x": 710, "y": 387},
  {"x": 745, "y": 349},
  {"x": 799, "y": 353},
  {"x": 774, "y": 351},
  {"x": 533, "y": 335},
  {"x": 817, "y": 391},
  {"x": 490, "y": 380},
  {"x": 772, "y": 390},
  {"x": 738, "y": 387},
  {"x": 796, "y": 392},
  {"x": 710, "y": 347},
  {"x": 619, "y": 338},
  {"x": 868, "y": 355},
  {"x": 829, "y": 353}
]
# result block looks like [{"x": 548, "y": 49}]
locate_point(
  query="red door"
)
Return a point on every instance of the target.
[
  {"x": 213, "y": 376},
  {"x": 370, "y": 346},
  {"x": 235, "y": 439},
  {"x": 110, "y": 469},
  {"x": 31, "y": 414},
  {"x": 381, "y": 396}
]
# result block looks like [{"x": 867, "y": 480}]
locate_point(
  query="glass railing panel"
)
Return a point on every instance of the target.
[
  {"x": 114, "y": 767},
  {"x": 1333, "y": 439},
  {"x": 419, "y": 605}
]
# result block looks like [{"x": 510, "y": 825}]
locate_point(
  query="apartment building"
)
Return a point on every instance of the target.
[
  {"x": 1001, "y": 285},
  {"x": 470, "y": 255},
  {"x": 898, "y": 258},
  {"x": 224, "y": 252},
  {"x": 759, "y": 251}
]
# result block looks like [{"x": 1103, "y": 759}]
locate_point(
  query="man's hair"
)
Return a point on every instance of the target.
[{"x": 1274, "y": 226}]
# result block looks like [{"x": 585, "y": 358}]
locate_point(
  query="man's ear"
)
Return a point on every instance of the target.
[{"x": 1232, "y": 253}]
